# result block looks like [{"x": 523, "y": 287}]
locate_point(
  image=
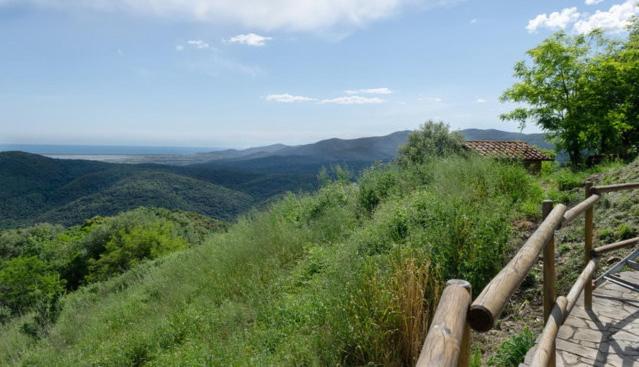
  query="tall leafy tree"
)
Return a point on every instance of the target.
[{"x": 553, "y": 87}]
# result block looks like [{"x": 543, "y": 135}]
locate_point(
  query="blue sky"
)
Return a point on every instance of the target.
[{"x": 236, "y": 73}]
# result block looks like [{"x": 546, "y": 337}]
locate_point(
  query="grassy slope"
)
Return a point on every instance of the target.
[{"x": 346, "y": 276}]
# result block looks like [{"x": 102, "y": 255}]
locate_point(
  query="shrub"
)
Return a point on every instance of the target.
[
  {"x": 25, "y": 282},
  {"x": 432, "y": 140},
  {"x": 375, "y": 185},
  {"x": 129, "y": 246}
]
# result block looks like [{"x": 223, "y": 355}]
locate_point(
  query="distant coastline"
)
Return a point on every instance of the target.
[{"x": 76, "y": 151}]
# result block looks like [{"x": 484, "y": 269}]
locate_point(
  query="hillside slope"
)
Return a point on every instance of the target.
[
  {"x": 34, "y": 188},
  {"x": 346, "y": 276}
]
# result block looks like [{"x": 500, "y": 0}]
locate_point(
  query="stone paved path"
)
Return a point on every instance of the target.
[{"x": 606, "y": 336}]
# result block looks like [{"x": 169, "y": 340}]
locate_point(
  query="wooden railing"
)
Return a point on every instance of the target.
[{"x": 447, "y": 343}]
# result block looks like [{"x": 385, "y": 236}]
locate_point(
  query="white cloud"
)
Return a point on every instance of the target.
[
  {"x": 553, "y": 21},
  {"x": 348, "y": 100},
  {"x": 305, "y": 15},
  {"x": 288, "y": 98},
  {"x": 250, "y": 39},
  {"x": 613, "y": 20},
  {"x": 199, "y": 44},
  {"x": 369, "y": 91},
  {"x": 480, "y": 100}
]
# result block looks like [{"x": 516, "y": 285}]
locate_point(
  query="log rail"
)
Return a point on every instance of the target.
[{"x": 448, "y": 340}]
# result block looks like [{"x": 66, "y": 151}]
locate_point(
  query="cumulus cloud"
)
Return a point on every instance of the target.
[
  {"x": 347, "y": 100},
  {"x": 369, "y": 91},
  {"x": 304, "y": 15},
  {"x": 553, "y": 21},
  {"x": 250, "y": 39},
  {"x": 614, "y": 20},
  {"x": 480, "y": 100},
  {"x": 288, "y": 98}
]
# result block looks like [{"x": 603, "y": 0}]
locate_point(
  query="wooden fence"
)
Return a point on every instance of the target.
[{"x": 448, "y": 341}]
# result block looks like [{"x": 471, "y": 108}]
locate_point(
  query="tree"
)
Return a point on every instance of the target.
[
  {"x": 553, "y": 87},
  {"x": 576, "y": 91},
  {"x": 432, "y": 139},
  {"x": 25, "y": 282}
]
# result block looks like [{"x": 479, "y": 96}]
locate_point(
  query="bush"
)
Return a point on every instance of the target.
[
  {"x": 129, "y": 246},
  {"x": 432, "y": 140},
  {"x": 25, "y": 282}
]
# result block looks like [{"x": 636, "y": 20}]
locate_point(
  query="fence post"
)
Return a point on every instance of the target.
[
  {"x": 464, "y": 353},
  {"x": 588, "y": 234},
  {"x": 549, "y": 275},
  {"x": 447, "y": 343}
]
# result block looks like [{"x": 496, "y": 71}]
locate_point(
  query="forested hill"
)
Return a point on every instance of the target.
[{"x": 35, "y": 189}]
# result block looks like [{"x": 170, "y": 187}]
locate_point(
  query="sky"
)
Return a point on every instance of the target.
[{"x": 238, "y": 73}]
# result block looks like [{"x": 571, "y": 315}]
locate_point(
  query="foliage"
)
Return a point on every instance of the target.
[
  {"x": 26, "y": 281},
  {"x": 582, "y": 90},
  {"x": 347, "y": 276},
  {"x": 128, "y": 246},
  {"x": 39, "y": 263},
  {"x": 431, "y": 140},
  {"x": 513, "y": 351}
]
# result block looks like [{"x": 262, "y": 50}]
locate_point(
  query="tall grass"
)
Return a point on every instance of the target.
[{"x": 347, "y": 276}]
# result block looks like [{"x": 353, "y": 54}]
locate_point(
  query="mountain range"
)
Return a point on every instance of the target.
[{"x": 221, "y": 184}]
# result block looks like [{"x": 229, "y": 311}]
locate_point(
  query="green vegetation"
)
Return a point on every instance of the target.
[
  {"x": 583, "y": 91},
  {"x": 512, "y": 352},
  {"x": 433, "y": 139},
  {"x": 349, "y": 275},
  {"x": 37, "y": 264}
]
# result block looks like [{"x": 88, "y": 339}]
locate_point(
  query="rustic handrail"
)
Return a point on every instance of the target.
[
  {"x": 447, "y": 342},
  {"x": 562, "y": 308},
  {"x": 616, "y": 187},
  {"x": 614, "y": 246},
  {"x": 546, "y": 346},
  {"x": 489, "y": 304},
  {"x": 580, "y": 284},
  {"x": 580, "y": 208}
]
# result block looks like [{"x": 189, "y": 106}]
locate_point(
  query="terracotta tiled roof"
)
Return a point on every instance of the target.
[{"x": 507, "y": 149}]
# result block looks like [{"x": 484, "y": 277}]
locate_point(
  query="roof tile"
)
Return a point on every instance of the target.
[{"x": 507, "y": 149}]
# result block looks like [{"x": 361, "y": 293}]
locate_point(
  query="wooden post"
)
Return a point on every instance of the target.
[
  {"x": 447, "y": 343},
  {"x": 588, "y": 234},
  {"x": 549, "y": 276},
  {"x": 464, "y": 353}
]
